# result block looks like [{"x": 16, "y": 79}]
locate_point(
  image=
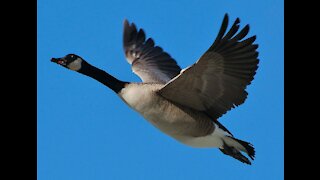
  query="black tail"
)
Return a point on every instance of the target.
[{"x": 235, "y": 152}]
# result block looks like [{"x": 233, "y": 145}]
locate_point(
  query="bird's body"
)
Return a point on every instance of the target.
[
  {"x": 186, "y": 125},
  {"x": 185, "y": 103},
  {"x": 175, "y": 120}
]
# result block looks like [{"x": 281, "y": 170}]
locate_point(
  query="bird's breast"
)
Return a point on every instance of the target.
[
  {"x": 141, "y": 97},
  {"x": 154, "y": 108}
]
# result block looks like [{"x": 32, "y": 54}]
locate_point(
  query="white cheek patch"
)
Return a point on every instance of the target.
[{"x": 75, "y": 65}]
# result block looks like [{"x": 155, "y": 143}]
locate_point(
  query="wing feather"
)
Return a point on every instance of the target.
[
  {"x": 216, "y": 83},
  {"x": 148, "y": 61}
]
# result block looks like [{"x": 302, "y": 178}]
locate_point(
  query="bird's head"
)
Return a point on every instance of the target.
[{"x": 70, "y": 61}]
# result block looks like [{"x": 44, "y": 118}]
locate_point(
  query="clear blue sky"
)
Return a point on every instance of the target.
[{"x": 86, "y": 132}]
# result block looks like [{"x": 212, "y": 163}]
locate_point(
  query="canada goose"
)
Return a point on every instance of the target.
[{"x": 185, "y": 104}]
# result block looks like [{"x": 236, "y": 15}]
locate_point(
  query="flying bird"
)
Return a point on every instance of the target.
[{"x": 185, "y": 103}]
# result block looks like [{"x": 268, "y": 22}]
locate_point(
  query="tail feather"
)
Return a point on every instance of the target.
[
  {"x": 233, "y": 150},
  {"x": 249, "y": 148}
]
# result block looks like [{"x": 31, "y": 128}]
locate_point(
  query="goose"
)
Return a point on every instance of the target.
[{"x": 185, "y": 103}]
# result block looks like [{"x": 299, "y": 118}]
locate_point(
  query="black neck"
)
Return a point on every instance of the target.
[{"x": 102, "y": 76}]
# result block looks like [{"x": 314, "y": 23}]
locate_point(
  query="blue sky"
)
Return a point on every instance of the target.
[{"x": 86, "y": 132}]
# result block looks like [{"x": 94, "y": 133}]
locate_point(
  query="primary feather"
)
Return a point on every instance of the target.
[
  {"x": 217, "y": 81},
  {"x": 148, "y": 61}
]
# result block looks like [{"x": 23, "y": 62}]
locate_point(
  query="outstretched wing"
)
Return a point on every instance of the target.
[
  {"x": 217, "y": 81},
  {"x": 148, "y": 61}
]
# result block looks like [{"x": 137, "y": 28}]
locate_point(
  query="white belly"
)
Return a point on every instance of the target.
[{"x": 215, "y": 139}]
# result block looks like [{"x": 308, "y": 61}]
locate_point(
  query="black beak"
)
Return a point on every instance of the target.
[
  {"x": 55, "y": 60},
  {"x": 60, "y": 61}
]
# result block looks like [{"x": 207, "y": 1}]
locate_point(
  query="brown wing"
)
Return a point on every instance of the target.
[
  {"x": 148, "y": 61},
  {"x": 217, "y": 81}
]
